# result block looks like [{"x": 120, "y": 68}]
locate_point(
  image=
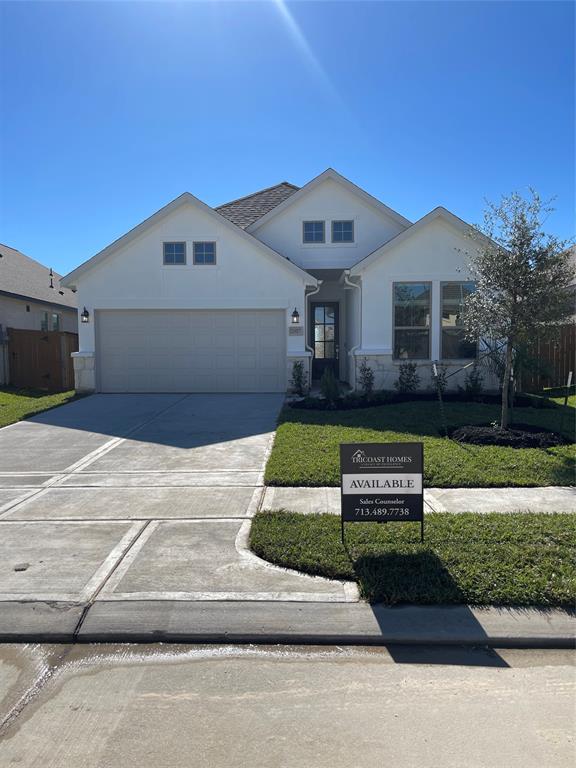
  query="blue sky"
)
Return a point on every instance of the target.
[{"x": 110, "y": 110}]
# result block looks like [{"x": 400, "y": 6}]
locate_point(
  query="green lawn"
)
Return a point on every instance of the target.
[
  {"x": 560, "y": 400},
  {"x": 494, "y": 559},
  {"x": 306, "y": 449},
  {"x": 18, "y": 404}
]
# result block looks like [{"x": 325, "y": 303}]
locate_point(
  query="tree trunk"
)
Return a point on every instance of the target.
[{"x": 506, "y": 386}]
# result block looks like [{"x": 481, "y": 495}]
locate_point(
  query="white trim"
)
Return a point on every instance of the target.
[
  {"x": 69, "y": 281},
  {"x": 329, "y": 173}
]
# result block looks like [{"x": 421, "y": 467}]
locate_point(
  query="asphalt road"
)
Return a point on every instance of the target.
[{"x": 285, "y": 707}]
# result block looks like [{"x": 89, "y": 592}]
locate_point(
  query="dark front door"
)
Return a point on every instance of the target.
[{"x": 324, "y": 338}]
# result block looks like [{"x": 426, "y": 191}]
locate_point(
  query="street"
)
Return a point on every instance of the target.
[{"x": 106, "y": 706}]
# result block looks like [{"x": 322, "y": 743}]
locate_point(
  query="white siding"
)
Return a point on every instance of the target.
[
  {"x": 328, "y": 201},
  {"x": 13, "y": 314},
  {"x": 244, "y": 277},
  {"x": 435, "y": 253}
]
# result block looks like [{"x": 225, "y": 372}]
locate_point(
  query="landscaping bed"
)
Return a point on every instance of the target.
[
  {"x": 306, "y": 447},
  {"x": 515, "y": 436},
  {"x": 355, "y": 400},
  {"x": 18, "y": 404},
  {"x": 493, "y": 559}
]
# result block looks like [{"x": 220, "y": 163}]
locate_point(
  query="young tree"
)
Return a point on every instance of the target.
[{"x": 523, "y": 279}]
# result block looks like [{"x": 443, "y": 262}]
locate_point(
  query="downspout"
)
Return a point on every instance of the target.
[
  {"x": 308, "y": 347},
  {"x": 352, "y": 352}
]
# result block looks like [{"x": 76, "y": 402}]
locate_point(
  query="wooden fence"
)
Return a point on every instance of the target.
[
  {"x": 41, "y": 359},
  {"x": 555, "y": 357}
]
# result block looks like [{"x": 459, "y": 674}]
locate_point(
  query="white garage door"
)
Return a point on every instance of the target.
[{"x": 191, "y": 350}]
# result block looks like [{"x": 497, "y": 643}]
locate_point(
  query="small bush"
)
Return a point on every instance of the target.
[
  {"x": 408, "y": 379},
  {"x": 366, "y": 378},
  {"x": 441, "y": 378},
  {"x": 474, "y": 382},
  {"x": 329, "y": 387},
  {"x": 299, "y": 380}
]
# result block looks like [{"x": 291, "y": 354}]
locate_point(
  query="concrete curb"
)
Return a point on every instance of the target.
[{"x": 285, "y": 623}]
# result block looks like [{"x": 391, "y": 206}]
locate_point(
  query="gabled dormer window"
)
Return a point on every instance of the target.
[
  {"x": 342, "y": 231},
  {"x": 174, "y": 253},
  {"x": 313, "y": 232}
]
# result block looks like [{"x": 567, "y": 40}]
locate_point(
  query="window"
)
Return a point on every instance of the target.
[
  {"x": 313, "y": 232},
  {"x": 455, "y": 346},
  {"x": 204, "y": 253},
  {"x": 412, "y": 321},
  {"x": 325, "y": 331},
  {"x": 50, "y": 321},
  {"x": 174, "y": 253},
  {"x": 342, "y": 231}
]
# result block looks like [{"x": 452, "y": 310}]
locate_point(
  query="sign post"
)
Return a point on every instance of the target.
[{"x": 382, "y": 483}]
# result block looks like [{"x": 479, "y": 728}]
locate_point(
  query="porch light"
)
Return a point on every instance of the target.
[
  {"x": 85, "y": 316},
  {"x": 295, "y": 317}
]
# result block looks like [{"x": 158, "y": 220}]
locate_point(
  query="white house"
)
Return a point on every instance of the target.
[{"x": 197, "y": 299}]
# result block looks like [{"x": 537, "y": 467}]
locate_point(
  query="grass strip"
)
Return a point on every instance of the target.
[{"x": 498, "y": 559}]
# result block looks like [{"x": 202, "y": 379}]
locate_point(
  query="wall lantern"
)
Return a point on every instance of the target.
[
  {"x": 295, "y": 317},
  {"x": 85, "y": 316}
]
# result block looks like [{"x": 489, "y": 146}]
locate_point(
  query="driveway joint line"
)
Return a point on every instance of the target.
[
  {"x": 58, "y": 478},
  {"x": 109, "y": 574},
  {"x": 124, "y": 565}
]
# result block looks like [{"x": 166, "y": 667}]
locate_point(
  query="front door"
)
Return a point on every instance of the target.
[{"x": 324, "y": 338}]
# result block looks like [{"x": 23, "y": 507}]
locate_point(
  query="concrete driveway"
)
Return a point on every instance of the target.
[{"x": 141, "y": 497}]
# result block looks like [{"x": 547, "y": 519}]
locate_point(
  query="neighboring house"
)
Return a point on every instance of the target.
[
  {"x": 197, "y": 299},
  {"x": 31, "y": 298}
]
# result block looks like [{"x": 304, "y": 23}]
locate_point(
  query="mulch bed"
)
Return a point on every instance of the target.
[
  {"x": 355, "y": 400},
  {"x": 516, "y": 436}
]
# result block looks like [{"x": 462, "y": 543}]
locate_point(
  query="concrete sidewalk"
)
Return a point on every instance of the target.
[{"x": 481, "y": 500}]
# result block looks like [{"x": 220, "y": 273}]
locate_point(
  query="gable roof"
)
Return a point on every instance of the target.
[
  {"x": 25, "y": 278},
  {"x": 186, "y": 198},
  {"x": 246, "y": 210},
  {"x": 436, "y": 213},
  {"x": 329, "y": 173}
]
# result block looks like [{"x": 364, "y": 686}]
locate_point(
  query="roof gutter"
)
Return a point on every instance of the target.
[
  {"x": 306, "y": 316},
  {"x": 352, "y": 352}
]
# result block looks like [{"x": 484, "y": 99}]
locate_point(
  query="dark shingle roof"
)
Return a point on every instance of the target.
[
  {"x": 246, "y": 210},
  {"x": 22, "y": 276}
]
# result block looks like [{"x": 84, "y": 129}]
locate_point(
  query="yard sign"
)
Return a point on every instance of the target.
[{"x": 382, "y": 482}]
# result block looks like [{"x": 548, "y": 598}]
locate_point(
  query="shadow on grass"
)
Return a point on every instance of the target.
[
  {"x": 416, "y": 577},
  {"x": 415, "y": 593}
]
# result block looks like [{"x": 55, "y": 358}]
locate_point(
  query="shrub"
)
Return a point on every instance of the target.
[
  {"x": 474, "y": 381},
  {"x": 441, "y": 378},
  {"x": 299, "y": 380},
  {"x": 408, "y": 379},
  {"x": 329, "y": 387},
  {"x": 366, "y": 378}
]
